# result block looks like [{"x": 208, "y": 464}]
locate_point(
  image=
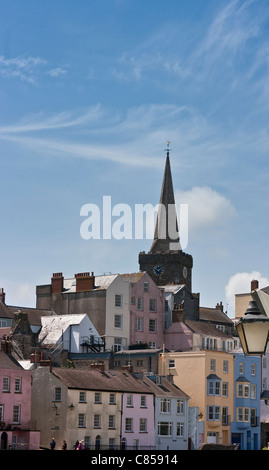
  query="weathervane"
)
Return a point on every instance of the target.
[{"x": 168, "y": 149}]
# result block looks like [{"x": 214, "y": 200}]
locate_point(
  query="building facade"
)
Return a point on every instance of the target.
[
  {"x": 107, "y": 410},
  {"x": 208, "y": 378},
  {"x": 17, "y": 430},
  {"x": 245, "y": 428}
]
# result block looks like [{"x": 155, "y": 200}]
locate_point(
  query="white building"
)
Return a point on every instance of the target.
[{"x": 68, "y": 332}]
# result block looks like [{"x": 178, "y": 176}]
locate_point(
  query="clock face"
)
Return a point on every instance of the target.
[
  {"x": 158, "y": 270},
  {"x": 185, "y": 272}
]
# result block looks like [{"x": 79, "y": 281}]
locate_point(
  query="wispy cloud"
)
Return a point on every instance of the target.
[
  {"x": 24, "y": 68},
  {"x": 57, "y": 72},
  {"x": 28, "y": 69}
]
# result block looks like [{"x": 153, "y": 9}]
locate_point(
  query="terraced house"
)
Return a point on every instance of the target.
[
  {"x": 207, "y": 376},
  {"x": 107, "y": 410}
]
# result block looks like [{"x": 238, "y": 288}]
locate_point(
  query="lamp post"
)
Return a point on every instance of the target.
[{"x": 253, "y": 330}]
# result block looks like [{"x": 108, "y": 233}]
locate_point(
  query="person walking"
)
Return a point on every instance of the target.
[{"x": 52, "y": 444}]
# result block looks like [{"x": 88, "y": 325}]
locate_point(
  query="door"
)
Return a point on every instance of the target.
[{"x": 3, "y": 445}]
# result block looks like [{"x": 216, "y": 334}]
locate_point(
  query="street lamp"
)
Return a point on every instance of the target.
[{"x": 253, "y": 330}]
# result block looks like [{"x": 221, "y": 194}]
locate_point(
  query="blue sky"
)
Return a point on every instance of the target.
[{"x": 90, "y": 92}]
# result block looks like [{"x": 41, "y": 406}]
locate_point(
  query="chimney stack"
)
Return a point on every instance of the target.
[
  {"x": 220, "y": 306},
  {"x": 2, "y": 295},
  {"x": 84, "y": 282},
  {"x": 57, "y": 283},
  {"x": 254, "y": 285}
]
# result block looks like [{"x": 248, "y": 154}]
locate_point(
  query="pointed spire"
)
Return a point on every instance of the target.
[{"x": 166, "y": 231}]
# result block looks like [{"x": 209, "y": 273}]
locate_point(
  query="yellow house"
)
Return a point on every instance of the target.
[{"x": 207, "y": 376}]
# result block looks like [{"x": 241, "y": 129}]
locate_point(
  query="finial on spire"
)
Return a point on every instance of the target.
[{"x": 168, "y": 148}]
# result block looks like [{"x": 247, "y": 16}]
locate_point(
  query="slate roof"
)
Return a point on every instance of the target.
[
  {"x": 7, "y": 361},
  {"x": 101, "y": 282},
  {"x": 54, "y": 326},
  {"x": 165, "y": 389},
  {"x": 114, "y": 381},
  {"x": 132, "y": 277},
  {"x": 214, "y": 314},
  {"x": 4, "y": 311},
  {"x": 206, "y": 329},
  {"x": 34, "y": 315}
]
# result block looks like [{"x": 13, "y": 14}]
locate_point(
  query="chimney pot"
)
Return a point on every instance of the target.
[
  {"x": 254, "y": 284},
  {"x": 2, "y": 295}
]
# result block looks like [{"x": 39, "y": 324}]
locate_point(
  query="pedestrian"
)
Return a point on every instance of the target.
[
  {"x": 76, "y": 445},
  {"x": 64, "y": 446},
  {"x": 52, "y": 444},
  {"x": 81, "y": 445}
]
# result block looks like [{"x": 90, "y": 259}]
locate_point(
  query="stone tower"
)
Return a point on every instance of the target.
[{"x": 165, "y": 262}]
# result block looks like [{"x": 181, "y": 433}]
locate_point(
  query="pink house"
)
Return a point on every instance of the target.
[
  {"x": 146, "y": 310},
  {"x": 138, "y": 430},
  {"x": 15, "y": 404}
]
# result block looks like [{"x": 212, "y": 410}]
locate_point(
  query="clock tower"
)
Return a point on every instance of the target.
[{"x": 165, "y": 262}]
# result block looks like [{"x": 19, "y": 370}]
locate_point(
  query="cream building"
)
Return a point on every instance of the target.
[{"x": 207, "y": 377}]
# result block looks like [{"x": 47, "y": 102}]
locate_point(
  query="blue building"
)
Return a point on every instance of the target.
[{"x": 245, "y": 429}]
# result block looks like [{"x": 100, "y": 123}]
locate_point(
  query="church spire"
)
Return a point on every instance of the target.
[{"x": 166, "y": 231}]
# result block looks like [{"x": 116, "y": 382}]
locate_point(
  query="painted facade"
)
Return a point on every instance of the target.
[
  {"x": 245, "y": 428},
  {"x": 106, "y": 410},
  {"x": 17, "y": 430},
  {"x": 208, "y": 378},
  {"x": 146, "y": 311}
]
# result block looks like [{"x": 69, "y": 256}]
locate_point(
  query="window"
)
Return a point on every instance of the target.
[
  {"x": 152, "y": 345},
  {"x": 164, "y": 429},
  {"x": 97, "y": 421},
  {"x": 243, "y": 390},
  {"x": 82, "y": 397},
  {"x": 57, "y": 394},
  {"x": 146, "y": 286},
  {"x": 152, "y": 305},
  {"x": 225, "y": 389},
  {"x": 253, "y": 417},
  {"x": 111, "y": 443},
  {"x": 139, "y": 324},
  {"x": 214, "y": 387},
  {"x": 213, "y": 413},
  {"x": 212, "y": 365},
  {"x": 152, "y": 326},
  {"x": 165, "y": 405},
  {"x": 6, "y": 384},
  {"x": 129, "y": 400},
  {"x": 16, "y": 414},
  {"x": 139, "y": 303},
  {"x": 118, "y": 300},
  {"x": 128, "y": 424},
  {"x": 143, "y": 401},
  {"x": 1, "y": 413},
  {"x": 241, "y": 368},
  {"x": 81, "y": 420},
  {"x": 117, "y": 344},
  {"x": 225, "y": 417},
  {"x": 180, "y": 429},
  {"x": 242, "y": 414},
  {"x": 98, "y": 397},
  {"x": 225, "y": 366},
  {"x": 143, "y": 425},
  {"x": 118, "y": 321},
  {"x": 253, "y": 391},
  {"x": 180, "y": 406},
  {"x": 112, "y": 399},
  {"x": 111, "y": 421},
  {"x": 253, "y": 369},
  {"x": 171, "y": 363}
]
